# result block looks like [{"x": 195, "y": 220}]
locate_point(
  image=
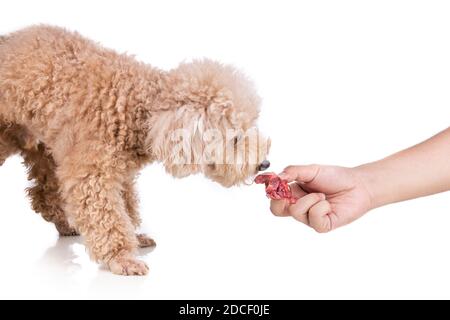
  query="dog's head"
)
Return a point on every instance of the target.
[{"x": 212, "y": 129}]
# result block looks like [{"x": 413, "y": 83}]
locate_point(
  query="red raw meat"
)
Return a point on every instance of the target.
[{"x": 276, "y": 188}]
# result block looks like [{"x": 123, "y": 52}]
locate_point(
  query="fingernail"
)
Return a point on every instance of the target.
[{"x": 322, "y": 196}]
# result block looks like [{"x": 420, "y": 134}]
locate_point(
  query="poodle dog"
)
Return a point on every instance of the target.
[{"x": 86, "y": 119}]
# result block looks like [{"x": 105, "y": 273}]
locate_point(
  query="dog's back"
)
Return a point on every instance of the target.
[
  {"x": 43, "y": 67},
  {"x": 53, "y": 80}
]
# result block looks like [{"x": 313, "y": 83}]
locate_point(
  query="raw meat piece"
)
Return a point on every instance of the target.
[{"x": 276, "y": 188}]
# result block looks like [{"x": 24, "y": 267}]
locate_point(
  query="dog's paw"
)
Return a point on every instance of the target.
[
  {"x": 128, "y": 266},
  {"x": 145, "y": 241}
]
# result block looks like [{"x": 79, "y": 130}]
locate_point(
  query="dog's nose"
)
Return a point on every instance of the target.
[{"x": 264, "y": 165}]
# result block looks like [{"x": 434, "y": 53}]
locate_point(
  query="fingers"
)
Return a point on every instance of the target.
[
  {"x": 303, "y": 174},
  {"x": 300, "y": 209},
  {"x": 320, "y": 217},
  {"x": 280, "y": 207},
  {"x": 311, "y": 209}
]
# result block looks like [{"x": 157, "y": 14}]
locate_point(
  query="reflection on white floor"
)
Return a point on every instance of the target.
[
  {"x": 69, "y": 254},
  {"x": 63, "y": 255},
  {"x": 66, "y": 265}
]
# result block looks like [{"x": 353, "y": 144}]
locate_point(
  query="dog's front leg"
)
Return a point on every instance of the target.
[
  {"x": 96, "y": 207},
  {"x": 132, "y": 207},
  {"x": 131, "y": 201}
]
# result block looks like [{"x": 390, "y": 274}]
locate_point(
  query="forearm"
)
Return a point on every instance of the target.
[{"x": 415, "y": 172}]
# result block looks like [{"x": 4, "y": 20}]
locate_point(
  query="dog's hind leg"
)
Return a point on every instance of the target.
[
  {"x": 44, "y": 194},
  {"x": 8, "y": 144}
]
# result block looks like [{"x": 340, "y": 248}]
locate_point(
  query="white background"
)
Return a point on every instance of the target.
[{"x": 343, "y": 82}]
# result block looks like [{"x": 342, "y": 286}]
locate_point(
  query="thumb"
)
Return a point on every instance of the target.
[{"x": 302, "y": 174}]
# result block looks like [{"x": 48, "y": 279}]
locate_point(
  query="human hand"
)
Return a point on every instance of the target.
[{"x": 329, "y": 196}]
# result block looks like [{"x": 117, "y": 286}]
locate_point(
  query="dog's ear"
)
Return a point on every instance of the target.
[
  {"x": 226, "y": 109},
  {"x": 176, "y": 140},
  {"x": 221, "y": 108}
]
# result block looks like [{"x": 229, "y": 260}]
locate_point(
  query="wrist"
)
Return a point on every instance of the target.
[{"x": 370, "y": 177}]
